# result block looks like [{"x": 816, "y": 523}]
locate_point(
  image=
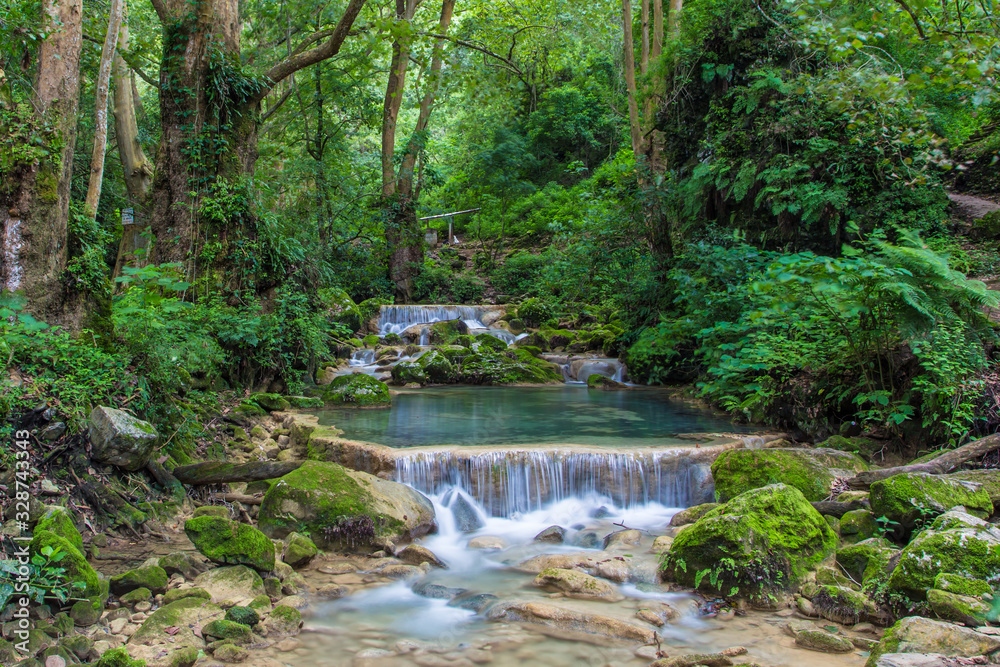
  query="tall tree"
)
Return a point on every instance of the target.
[
  {"x": 209, "y": 115},
  {"x": 35, "y": 206}
]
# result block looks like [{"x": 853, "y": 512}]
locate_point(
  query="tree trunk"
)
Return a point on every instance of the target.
[
  {"x": 101, "y": 110},
  {"x": 136, "y": 166},
  {"x": 36, "y": 197}
]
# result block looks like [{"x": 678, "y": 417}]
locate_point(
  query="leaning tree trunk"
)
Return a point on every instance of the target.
[
  {"x": 101, "y": 110},
  {"x": 35, "y": 206}
]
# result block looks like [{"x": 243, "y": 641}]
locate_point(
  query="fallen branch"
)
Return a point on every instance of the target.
[
  {"x": 947, "y": 462},
  {"x": 220, "y": 472},
  {"x": 240, "y": 498}
]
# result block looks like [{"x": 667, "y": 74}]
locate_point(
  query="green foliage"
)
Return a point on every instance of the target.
[
  {"x": 46, "y": 578},
  {"x": 437, "y": 284},
  {"x": 535, "y": 311}
]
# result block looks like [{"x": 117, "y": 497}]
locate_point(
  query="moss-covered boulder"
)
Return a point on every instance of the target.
[
  {"x": 517, "y": 366},
  {"x": 811, "y": 471},
  {"x": 270, "y": 402},
  {"x": 230, "y": 543},
  {"x": 596, "y": 381},
  {"x": 283, "y": 621},
  {"x": 229, "y": 631},
  {"x": 58, "y": 520},
  {"x": 406, "y": 372},
  {"x": 866, "y": 448},
  {"x": 136, "y": 596},
  {"x": 185, "y": 564},
  {"x": 76, "y": 566},
  {"x": 299, "y": 550},
  {"x": 989, "y": 481},
  {"x": 761, "y": 541},
  {"x": 952, "y": 583},
  {"x": 444, "y": 333},
  {"x": 182, "y": 618},
  {"x": 858, "y": 525},
  {"x": 846, "y": 606},
  {"x": 957, "y": 544},
  {"x": 867, "y": 559},
  {"x": 692, "y": 514},
  {"x": 86, "y": 612},
  {"x": 175, "y": 594},
  {"x": 357, "y": 390},
  {"x": 910, "y": 498},
  {"x": 118, "y": 657},
  {"x": 438, "y": 368},
  {"x": 488, "y": 342},
  {"x": 152, "y": 577},
  {"x": 923, "y": 635},
  {"x": 343, "y": 508},
  {"x": 246, "y": 615},
  {"x": 118, "y": 438},
  {"x": 958, "y": 608},
  {"x": 212, "y": 510}
]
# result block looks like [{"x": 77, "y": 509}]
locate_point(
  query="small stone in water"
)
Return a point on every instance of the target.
[{"x": 646, "y": 653}]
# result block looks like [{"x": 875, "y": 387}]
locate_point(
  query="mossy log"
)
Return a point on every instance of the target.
[
  {"x": 165, "y": 478},
  {"x": 221, "y": 472},
  {"x": 947, "y": 462},
  {"x": 837, "y": 509}
]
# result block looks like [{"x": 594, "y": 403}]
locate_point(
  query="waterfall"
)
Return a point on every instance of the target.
[
  {"x": 362, "y": 357},
  {"x": 507, "y": 482},
  {"x": 11, "y": 270},
  {"x": 396, "y": 319}
]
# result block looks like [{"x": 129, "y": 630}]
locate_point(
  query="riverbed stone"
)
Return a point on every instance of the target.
[
  {"x": 817, "y": 639},
  {"x": 568, "y": 619},
  {"x": 552, "y": 534},
  {"x": 858, "y": 525},
  {"x": 912, "y": 497},
  {"x": 622, "y": 539},
  {"x": 923, "y": 635},
  {"x": 58, "y": 520},
  {"x": 76, "y": 566},
  {"x": 811, "y": 471},
  {"x": 174, "y": 623},
  {"x": 576, "y": 584},
  {"x": 692, "y": 514},
  {"x": 536, "y": 564},
  {"x": 846, "y": 606},
  {"x": 118, "y": 438},
  {"x": 299, "y": 550},
  {"x": 284, "y": 621},
  {"x": 415, "y": 554},
  {"x": 775, "y": 520},
  {"x": 343, "y": 509},
  {"x": 175, "y": 594},
  {"x": 661, "y": 544},
  {"x": 958, "y": 608},
  {"x": 357, "y": 390},
  {"x": 867, "y": 559},
  {"x": 488, "y": 543},
  {"x": 230, "y": 543},
  {"x": 237, "y": 584}
]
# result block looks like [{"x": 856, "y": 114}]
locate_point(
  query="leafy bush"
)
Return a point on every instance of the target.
[
  {"x": 534, "y": 312},
  {"x": 437, "y": 284},
  {"x": 519, "y": 274}
]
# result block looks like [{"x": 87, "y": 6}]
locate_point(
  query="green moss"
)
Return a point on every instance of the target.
[
  {"x": 284, "y": 619},
  {"x": 392, "y": 339},
  {"x": 304, "y": 402},
  {"x": 487, "y": 342},
  {"x": 958, "y": 608},
  {"x": 59, "y": 521},
  {"x": 170, "y": 615},
  {"x": 601, "y": 382},
  {"x": 407, "y": 372},
  {"x": 437, "y": 368},
  {"x": 445, "y": 333},
  {"x": 966, "y": 552},
  {"x": 299, "y": 550},
  {"x": 77, "y": 567},
  {"x": 863, "y": 447},
  {"x": 358, "y": 390},
  {"x": 118, "y": 657},
  {"x": 230, "y": 543},
  {"x": 244, "y": 615},
  {"x": 229, "y": 631},
  {"x": 270, "y": 402},
  {"x": 913, "y": 497},
  {"x": 175, "y": 594},
  {"x": 843, "y": 605},
  {"x": 185, "y": 657},
  {"x": 952, "y": 583},
  {"x": 136, "y": 596},
  {"x": 152, "y": 577},
  {"x": 212, "y": 510},
  {"x": 857, "y": 525},
  {"x": 811, "y": 471},
  {"x": 371, "y": 340},
  {"x": 761, "y": 541},
  {"x": 261, "y": 602},
  {"x": 867, "y": 559}
]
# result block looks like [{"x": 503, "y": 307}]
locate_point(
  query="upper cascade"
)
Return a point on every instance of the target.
[{"x": 396, "y": 319}]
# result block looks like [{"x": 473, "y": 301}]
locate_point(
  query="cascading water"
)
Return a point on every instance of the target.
[
  {"x": 508, "y": 482},
  {"x": 397, "y": 319}
]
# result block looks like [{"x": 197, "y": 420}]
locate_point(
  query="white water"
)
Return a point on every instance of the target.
[{"x": 397, "y": 319}]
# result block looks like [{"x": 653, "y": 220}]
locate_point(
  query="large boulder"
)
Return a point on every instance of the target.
[
  {"x": 230, "y": 543},
  {"x": 811, "y": 471},
  {"x": 957, "y": 544},
  {"x": 343, "y": 508},
  {"x": 76, "y": 565},
  {"x": 58, "y": 520},
  {"x": 357, "y": 390},
  {"x": 922, "y": 635},
  {"x": 118, "y": 438},
  {"x": 437, "y": 368},
  {"x": 175, "y": 623},
  {"x": 235, "y": 585},
  {"x": 868, "y": 559},
  {"x": 910, "y": 498},
  {"x": 758, "y": 543},
  {"x": 563, "y": 619},
  {"x": 989, "y": 480}
]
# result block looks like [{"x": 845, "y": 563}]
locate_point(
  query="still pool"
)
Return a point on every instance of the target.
[{"x": 528, "y": 415}]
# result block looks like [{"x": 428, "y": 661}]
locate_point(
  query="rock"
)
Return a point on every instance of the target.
[
  {"x": 914, "y": 660},
  {"x": 467, "y": 519},
  {"x": 776, "y": 520},
  {"x": 58, "y": 520},
  {"x": 48, "y": 488},
  {"x": 76, "y": 566},
  {"x": 692, "y": 514},
  {"x": 661, "y": 544},
  {"x": 922, "y": 635},
  {"x": 407, "y": 373},
  {"x": 552, "y": 534},
  {"x": 229, "y": 543},
  {"x": 952, "y": 583},
  {"x": 120, "y": 439},
  {"x": 175, "y": 594},
  {"x": 650, "y": 617},
  {"x": 299, "y": 550},
  {"x": 488, "y": 543},
  {"x": 910, "y": 497},
  {"x": 116, "y": 657},
  {"x": 238, "y": 584},
  {"x": 966, "y": 551},
  {"x": 566, "y": 619},
  {"x": 845, "y": 606},
  {"x": 331, "y": 592},
  {"x": 415, "y": 555},
  {"x": 811, "y": 471},
  {"x": 695, "y": 660},
  {"x": 174, "y": 623},
  {"x": 437, "y": 591},
  {"x": 989, "y": 480},
  {"x": 823, "y": 641},
  {"x": 613, "y": 570},
  {"x": 476, "y": 602},
  {"x": 586, "y": 540},
  {"x": 183, "y": 564},
  {"x": 806, "y": 607},
  {"x": 341, "y": 508},
  {"x": 958, "y": 608},
  {"x": 867, "y": 559},
  {"x": 212, "y": 510},
  {"x": 53, "y": 431},
  {"x": 229, "y": 631},
  {"x": 536, "y": 564},
  {"x": 86, "y": 612},
  {"x": 622, "y": 539},
  {"x": 437, "y": 367},
  {"x": 245, "y": 615},
  {"x": 858, "y": 525},
  {"x": 283, "y": 621},
  {"x": 358, "y": 390},
  {"x": 230, "y": 653},
  {"x": 576, "y": 584},
  {"x": 136, "y": 596}
]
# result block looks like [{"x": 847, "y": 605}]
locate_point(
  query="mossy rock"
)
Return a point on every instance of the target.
[
  {"x": 270, "y": 402},
  {"x": 989, "y": 481},
  {"x": 392, "y": 339},
  {"x": 244, "y": 615},
  {"x": 596, "y": 381},
  {"x": 858, "y": 525},
  {"x": 336, "y": 506},
  {"x": 184, "y": 564},
  {"x": 487, "y": 341},
  {"x": 923, "y": 635},
  {"x": 76, "y": 566},
  {"x": 118, "y": 657},
  {"x": 136, "y": 596},
  {"x": 811, "y": 471},
  {"x": 843, "y": 605},
  {"x": 760, "y": 542},
  {"x": 444, "y": 333},
  {"x": 152, "y": 577},
  {"x": 371, "y": 340},
  {"x": 867, "y": 559},
  {"x": 692, "y": 514},
  {"x": 184, "y": 615},
  {"x": 283, "y": 620},
  {"x": 229, "y": 631},
  {"x": 437, "y": 368},
  {"x": 230, "y": 543},
  {"x": 357, "y": 390},
  {"x": 58, "y": 520},
  {"x": 971, "y": 550},
  {"x": 78, "y": 645},
  {"x": 912, "y": 497},
  {"x": 863, "y": 447},
  {"x": 408, "y": 371},
  {"x": 86, "y": 612},
  {"x": 237, "y": 583},
  {"x": 299, "y": 550},
  {"x": 515, "y": 366},
  {"x": 953, "y": 583},
  {"x": 246, "y": 412},
  {"x": 261, "y": 603},
  {"x": 534, "y": 311},
  {"x": 212, "y": 510},
  {"x": 986, "y": 228},
  {"x": 958, "y": 608},
  {"x": 304, "y": 402},
  {"x": 175, "y": 594}
]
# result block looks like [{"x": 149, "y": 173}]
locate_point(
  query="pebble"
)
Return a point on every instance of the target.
[
  {"x": 118, "y": 625},
  {"x": 130, "y": 629},
  {"x": 138, "y": 618},
  {"x": 377, "y": 643},
  {"x": 785, "y": 613},
  {"x": 868, "y": 627},
  {"x": 646, "y": 653},
  {"x": 143, "y": 607},
  {"x": 374, "y": 653}
]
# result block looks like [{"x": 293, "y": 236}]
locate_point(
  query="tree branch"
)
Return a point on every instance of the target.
[
  {"x": 161, "y": 10},
  {"x": 475, "y": 47},
  {"x": 277, "y": 105},
  {"x": 916, "y": 21}
]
